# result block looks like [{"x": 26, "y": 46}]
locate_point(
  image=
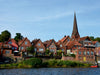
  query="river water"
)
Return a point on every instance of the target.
[{"x": 51, "y": 71}]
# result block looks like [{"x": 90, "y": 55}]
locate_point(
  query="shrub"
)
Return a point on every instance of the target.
[{"x": 33, "y": 61}]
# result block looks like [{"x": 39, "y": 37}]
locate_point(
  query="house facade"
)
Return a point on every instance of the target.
[
  {"x": 6, "y": 50},
  {"x": 51, "y": 46},
  {"x": 61, "y": 46},
  {"x": 38, "y": 46},
  {"x": 24, "y": 44}
]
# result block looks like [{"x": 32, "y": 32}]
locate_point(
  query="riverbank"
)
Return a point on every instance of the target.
[{"x": 38, "y": 63}]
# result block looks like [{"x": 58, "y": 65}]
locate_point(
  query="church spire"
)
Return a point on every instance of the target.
[{"x": 75, "y": 34}]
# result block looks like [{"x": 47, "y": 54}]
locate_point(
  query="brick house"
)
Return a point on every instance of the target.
[
  {"x": 24, "y": 44},
  {"x": 64, "y": 40},
  {"x": 86, "y": 42},
  {"x": 97, "y": 51},
  {"x": 6, "y": 49},
  {"x": 61, "y": 46},
  {"x": 12, "y": 42},
  {"x": 83, "y": 54},
  {"x": 96, "y": 43},
  {"x": 38, "y": 46},
  {"x": 51, "y": 45}
]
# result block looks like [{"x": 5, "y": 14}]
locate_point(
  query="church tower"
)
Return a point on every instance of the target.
[{"x": 75, "y": 35}]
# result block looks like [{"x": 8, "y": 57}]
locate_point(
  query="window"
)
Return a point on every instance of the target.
[
  {"x": 62, "y": 49},
  {"x": 52, "y": 46},
  {"x": 92, "y": 53},
  {"x": 51, "y": 50},
  {"x": 38, "y": 44},
  {"x": 68, "y": 40},
  {"x": 35, "y": 49},
  {"x": 87, "y": 52},
  {"x": 12, "y": 48},
  {"x": 15, "y": 47},
  {"x": 40, "y": 49},
  {"x": 25, "y": 43},
  {"x": 22, "y": 48},
  {"x": 75, "y": 46},
  {"x": 10, "y": 42},
  {"x": 61, "y": 45},
  {"x": 84, "y": 53},
  {"x": 79, "y": 52},
  {"x": 7, "y": 52},
  {"x": 80, "y": 57}
]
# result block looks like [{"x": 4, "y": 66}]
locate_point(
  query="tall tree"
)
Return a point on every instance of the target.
[
  {"x": 18, "y": 37},
  {"x": 92, "y": 38},
  {"x": 5, "y": 36}
]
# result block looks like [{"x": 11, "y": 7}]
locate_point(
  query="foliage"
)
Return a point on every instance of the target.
[
  {"x": 33, "y": 62},
  {"x": 59, "y": 52},
  {"x": 73, "y": 55},
  {"x": 5, "y": 35},
  {"x": 18, "y": 37},
  {"x": 47, "y": 52},
  {"x": 95, "y": 39},
  {"x": 30, "y": 49}
]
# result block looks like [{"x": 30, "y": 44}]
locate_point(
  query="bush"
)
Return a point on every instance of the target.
[{"x": 33, "y": 62}]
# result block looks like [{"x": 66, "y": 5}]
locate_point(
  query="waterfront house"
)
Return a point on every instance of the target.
[
  {"x": 6, "y": 50},
  {"x": 61, "y": 46},
  {"x": 24, "y": 44},
  {"x": 51, "y": 46},
  {"x": 38, "y": 46},
  {"x": 96, "y": 43}
]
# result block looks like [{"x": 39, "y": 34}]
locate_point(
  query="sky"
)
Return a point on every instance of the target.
[{"x": 49, "y": 19}]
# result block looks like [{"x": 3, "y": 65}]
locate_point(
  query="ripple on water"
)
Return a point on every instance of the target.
[{"x": 51, "y": 71}]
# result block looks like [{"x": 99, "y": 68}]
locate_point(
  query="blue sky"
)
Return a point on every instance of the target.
[{"x": 49, "y": 19}]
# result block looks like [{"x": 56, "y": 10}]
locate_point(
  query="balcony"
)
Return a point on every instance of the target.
[{"x": 90, "y": 45}]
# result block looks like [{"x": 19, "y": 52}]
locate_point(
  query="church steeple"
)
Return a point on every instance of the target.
[{"x": 75, "y": 34}]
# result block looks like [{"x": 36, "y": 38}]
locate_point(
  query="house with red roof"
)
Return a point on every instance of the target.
[
  {"x": 38, "y": 46},
  {"x": 6, "y": 50},
  {"x": 96, "y": 43},
  {"x": 24, "y": 44},
  {"x": 14, "y": 45},
  {"x": 51, "y": 45}
]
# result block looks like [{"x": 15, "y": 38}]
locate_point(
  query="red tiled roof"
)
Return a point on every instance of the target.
[
  {"x": 63, "y": 39},
  {"x": 21, "y": 41},
  {"x": 94, "y": 42},
  {"x": 35, "y": 41},
  {"x": 83, "y": 38},
  {"x": 70, "y": 44},
  {"x": 48, "y": 42},
  {"x": 13, "y": 42}
]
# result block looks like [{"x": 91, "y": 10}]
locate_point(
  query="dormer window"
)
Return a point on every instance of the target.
[{"x": 25, "y": 43}]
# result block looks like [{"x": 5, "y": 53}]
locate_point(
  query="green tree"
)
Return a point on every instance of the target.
[
  {"x": 92, "y": 38},
  {"x": 5, "y": 36},
  {"x": 18, "y": 37},
  {"x": 47, "y": 52},
  {"x": 30, "y": 49},
  {"x": 97, "y": 39}
]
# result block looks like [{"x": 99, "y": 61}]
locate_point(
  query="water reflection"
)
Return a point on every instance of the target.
[{"x": 51, "y": 71}]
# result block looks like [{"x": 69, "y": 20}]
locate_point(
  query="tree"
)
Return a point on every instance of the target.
[
  {"x": 18, "y": 37},
  {"x": 92, "y": 38},
  {"x": 30, "y": 49},
  {"x": 47, "y": 52},
  {"x": 5, "y": 36},
  {"x": 97, "y": 39}
]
